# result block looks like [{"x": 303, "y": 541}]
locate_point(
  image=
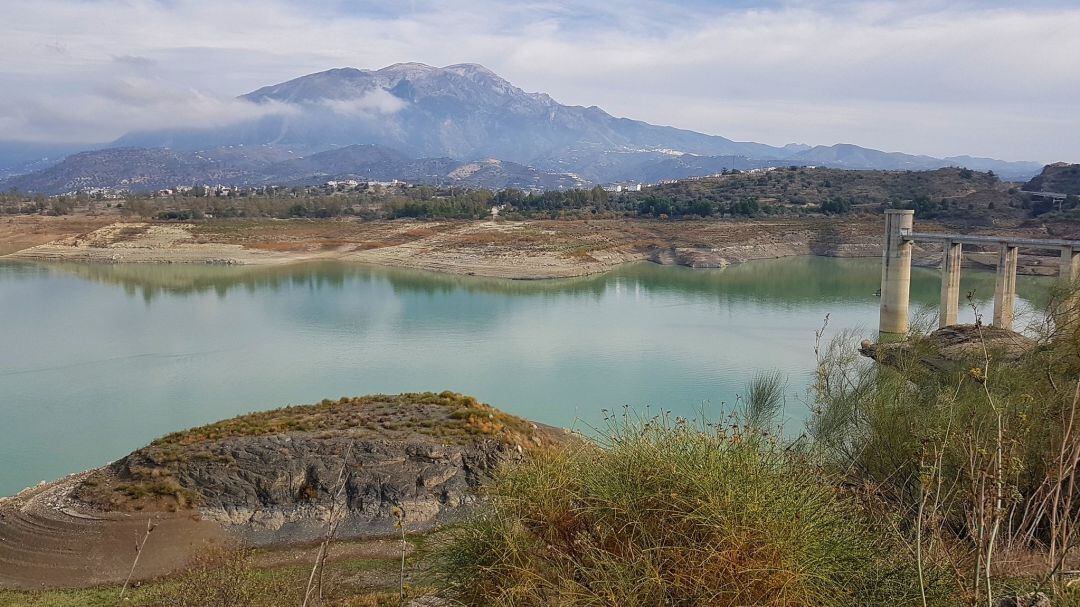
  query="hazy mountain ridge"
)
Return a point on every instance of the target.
[
  {"x": 157, "y": 168},
  {"x": 463, "y": 112}
]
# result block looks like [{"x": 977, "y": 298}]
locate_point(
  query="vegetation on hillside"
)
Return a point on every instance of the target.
[
  {"x": 448, "y": 416},
  {"x": 978, "y": 459},
  {"x": 1059, "y": 177},
  {"x": 950, "y": 192}
]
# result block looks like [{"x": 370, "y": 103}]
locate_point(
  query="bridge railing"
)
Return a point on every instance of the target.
[{"x": 896, "y": 271}]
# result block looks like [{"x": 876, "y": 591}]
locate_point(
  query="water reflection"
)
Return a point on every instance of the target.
[
  {"x": 100, "y": 359},
  {"x": 791, "y": 280}
]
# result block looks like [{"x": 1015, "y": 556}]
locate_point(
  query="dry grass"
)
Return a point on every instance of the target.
[
  {"x": 448, "y": 416},
  {"x": 666, "y": 514}
]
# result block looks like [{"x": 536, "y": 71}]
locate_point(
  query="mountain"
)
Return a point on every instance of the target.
[
  {"x": 147, "y": 169},
  {"x": 157, "y": 168},
  {"x": 467, "y": 113},
  {"x": 1060, "y": 177},
  {"x": 461, "y": 111},
  {"x": 848, "y": 156},
  {"x": 19, "y": 157}
]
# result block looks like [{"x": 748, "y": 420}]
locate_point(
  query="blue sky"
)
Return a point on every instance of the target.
[{"x": 922, "y": 76}]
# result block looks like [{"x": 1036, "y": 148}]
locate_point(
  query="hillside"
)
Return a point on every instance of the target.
[
  {"x": 949, "y": 192},
  {"x": 1060, "y": 177},
  {"x": 143, "y": 169}
]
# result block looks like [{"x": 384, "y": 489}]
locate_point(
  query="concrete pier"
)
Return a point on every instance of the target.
[
  {"x": 1070, "y": 264},
  {"x": 1069, "y": 309},
  {"x": 952, "y": 256},
  {"x": 895, "y": 274},
  {"x": 1005, "y": 287}
]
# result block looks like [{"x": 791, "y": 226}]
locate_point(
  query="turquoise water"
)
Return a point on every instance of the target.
[{"x": 97, "y": 360}]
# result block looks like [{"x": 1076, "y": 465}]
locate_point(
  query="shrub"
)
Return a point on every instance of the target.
[
  {"x": 668, "y": 514},
  {"x": 976, "y": 455}
]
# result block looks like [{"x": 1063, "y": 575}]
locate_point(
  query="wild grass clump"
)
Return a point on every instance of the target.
[
  {"x": 668, "y": 514},
  {"x": 224, "y": 577}
]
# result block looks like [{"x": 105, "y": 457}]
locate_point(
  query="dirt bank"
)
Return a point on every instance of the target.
[
  {"x": 522, "y": 250},
  {"x": 49, "y": 540},
  {"x": 519, "y": 250}
]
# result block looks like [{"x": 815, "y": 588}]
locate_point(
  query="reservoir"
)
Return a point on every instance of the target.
[{"x": 98, "y": 360}]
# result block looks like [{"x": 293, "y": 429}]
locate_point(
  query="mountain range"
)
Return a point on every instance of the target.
[{"x": 460, "y": 124}]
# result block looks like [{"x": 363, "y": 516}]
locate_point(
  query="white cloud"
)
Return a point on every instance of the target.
[
  {"x": 372, "y": 104},
  {"x": 922, "y": 76},
  {"x": 109, "y": 109}
]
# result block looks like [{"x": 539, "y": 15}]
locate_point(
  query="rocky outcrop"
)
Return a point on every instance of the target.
[
  {"x": 952, "y": 347},
  {"x": 278, "y": 476},
  {"x": 281, "y": 488}
]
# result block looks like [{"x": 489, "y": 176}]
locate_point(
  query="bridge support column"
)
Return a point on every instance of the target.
[
  {"x": 1005, "y": 289},
  {"x": 950, "y": 283},
  {"x": 1069, "y": 308},
  {"x": 895, "y": 275}
]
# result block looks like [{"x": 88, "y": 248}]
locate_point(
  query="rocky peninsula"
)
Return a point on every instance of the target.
[{"x": 265, "y": 479}]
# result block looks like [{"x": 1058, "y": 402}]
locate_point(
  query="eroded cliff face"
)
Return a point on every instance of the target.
[
  {"x": 281, "y": 488},
  {"x": 277, "y": 477}
]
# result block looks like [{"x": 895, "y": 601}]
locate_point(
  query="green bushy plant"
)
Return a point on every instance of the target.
[{"x": 670, "y": 514}]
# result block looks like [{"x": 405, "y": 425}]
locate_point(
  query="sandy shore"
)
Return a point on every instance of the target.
[{"x": 517, "y": 250}]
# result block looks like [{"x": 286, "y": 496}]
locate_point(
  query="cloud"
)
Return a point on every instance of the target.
[
  {"x": 372, "y": 104},
  {"x": 924, "y": 76},
  {"x": 135, "y": 61},
  {"x": 110, "y": 109}
]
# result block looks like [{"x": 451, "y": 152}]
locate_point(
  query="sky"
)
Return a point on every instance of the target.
[{"x": 998, "y": 79}]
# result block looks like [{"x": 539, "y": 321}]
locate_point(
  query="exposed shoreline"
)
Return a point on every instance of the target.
[
  {"x": 520, "y": 250},
  {"x": 513, "y": 250}
]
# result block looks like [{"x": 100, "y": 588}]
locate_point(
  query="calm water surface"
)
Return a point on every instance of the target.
[{"x": 98, "y": 360}]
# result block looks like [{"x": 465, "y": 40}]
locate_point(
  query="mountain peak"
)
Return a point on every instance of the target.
[
  {"x": 471, "y": 68},
  {"x": 408, "y": 68}
]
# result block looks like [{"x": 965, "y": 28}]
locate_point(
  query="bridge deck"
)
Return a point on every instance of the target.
[{"x": 1030, "y": 243}]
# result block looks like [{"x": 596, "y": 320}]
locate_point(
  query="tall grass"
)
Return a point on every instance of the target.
[
  {"x": 669, "y": 514},
  {"x": 977, "y": 457}
]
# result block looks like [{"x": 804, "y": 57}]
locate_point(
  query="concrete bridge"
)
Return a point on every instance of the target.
[{"x": 896, "y": 271}]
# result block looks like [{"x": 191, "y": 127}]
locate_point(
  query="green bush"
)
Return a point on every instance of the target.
[{"x": 668, "y": 514}]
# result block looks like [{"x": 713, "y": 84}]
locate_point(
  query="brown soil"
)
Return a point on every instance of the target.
[
  {"x": 46, "y": 541},
  {"x": 503, "y": 249},
  {"x": 22, "y": 232}
]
